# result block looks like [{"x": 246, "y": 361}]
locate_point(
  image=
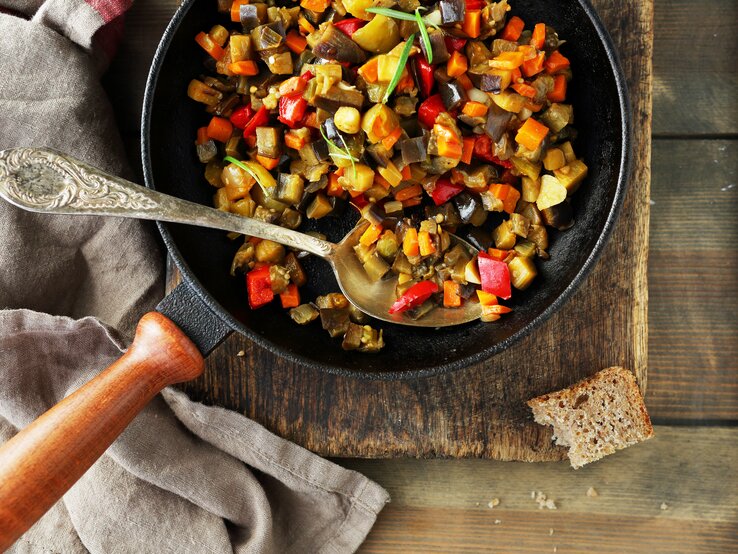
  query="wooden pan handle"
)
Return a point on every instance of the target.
[{"x": 45, "y": 459}]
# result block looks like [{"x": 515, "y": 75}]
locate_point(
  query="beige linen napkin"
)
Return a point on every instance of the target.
[{"x": 183, "y": 477}]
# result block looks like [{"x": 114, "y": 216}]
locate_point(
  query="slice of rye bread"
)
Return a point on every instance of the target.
[{"x": 596, "y": 416}]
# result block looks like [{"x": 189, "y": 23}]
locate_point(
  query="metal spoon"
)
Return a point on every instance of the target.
[{"x": 46, "y": 181}]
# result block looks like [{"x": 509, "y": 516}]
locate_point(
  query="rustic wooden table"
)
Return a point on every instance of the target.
[{"x": 679, "y": 492}]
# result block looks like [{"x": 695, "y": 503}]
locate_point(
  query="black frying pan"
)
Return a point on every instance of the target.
[{"x": 209, "y": 304}]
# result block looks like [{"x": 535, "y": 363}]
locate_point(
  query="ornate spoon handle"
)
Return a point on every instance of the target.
[{"x": 46, "y": 181}]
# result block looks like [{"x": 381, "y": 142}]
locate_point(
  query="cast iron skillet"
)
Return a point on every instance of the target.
[{"x": 210, "y": 303}]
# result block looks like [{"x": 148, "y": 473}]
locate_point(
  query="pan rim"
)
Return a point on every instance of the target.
[{"x": 624, "y": 170}]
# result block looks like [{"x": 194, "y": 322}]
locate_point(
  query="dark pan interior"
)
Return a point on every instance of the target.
[{"x": 170, "y": 121}]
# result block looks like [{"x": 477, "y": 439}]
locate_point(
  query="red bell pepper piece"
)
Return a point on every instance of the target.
[
  {"x": 495, "y": 276},
  {"x": 424, "y": 74},
  {"x": 483, "y": 148},
  {"x": 241, "y": 116},
  {"x": 454, "y": 43},
  {"x": 445, "y": 190},
  {"x": 350, "y": 26},
  {"x": 291, "y": 109},
  {"x": 260, "y": 119},
  {"x": 259, "y": 287},
  {"x": 429, "y": 110},
  {"x": 474, "y": 4},
  {"x": 359, "y": 201},
  {"x": 414, "y": 296}
]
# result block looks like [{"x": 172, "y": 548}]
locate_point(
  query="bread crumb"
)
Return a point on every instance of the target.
[
  {"x": 543, "y": 501},
  {"x": 476, "y": 504},
  {"x": 497, "y": 522},
  {"x": 556, "y": 548},
  {"x": 592, "y": 493},
  {"x": 241, "y": 354},
  {"x": 664, "y": 506},
  {"x": 533, "y": 494},
  {"x": 550, "y": 531},
  {"x": 494, "y": 502}
]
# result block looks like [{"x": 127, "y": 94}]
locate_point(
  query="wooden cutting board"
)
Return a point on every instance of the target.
[{"x": 478, "y": 411}]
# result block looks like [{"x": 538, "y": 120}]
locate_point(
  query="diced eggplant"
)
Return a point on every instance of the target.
[
  {"x": 332, "y": 300},
  {"x": 337, "y": 96},
  {"x": 280, "y": 278},
  {"x": 335, "y": 320},
  {"x": 557, "y": 116},
  {"x": 297, "y": 273},
  {"x": 318, "y": 185},
  {"x": 519, "y": 225},
  {"x": 560, "y": 216},
  {"x": 268, "y": 37},
  {"x": 414, "y": 149},
  {"x": 487, "y": 81},
  {"x": 371, "y": 340},
  {"x": 268, "y": 251},
  {"x": 319, "y": 207},
  {"x": 279, "y": 63},
  {"x": 447, "y": 211},
  {"x": 420, "y": 311},
  {"x": 478, "y": 238},
  {"x": 243, "y": 260},
  {"x": 291, "y": 219},
  {"x": 252, "y": 15},
  {"x": 268, "y": 142},
  {"x": 539, "y": 235},
  {"x": 571, "y": 175},
  {"x": 526, "y": 248},
  {"x": 405, "y": 106},
  {"x": 470, "y": 208},
  {"x": 376, "y": 267},
  {"x": 452, "y": 94},
  {"x": 290, "y": 188},
  {"x": 438, "y": 47},
  {"x": 522, "y": 272},
  {"x": 378, "y": 154},
  {"x": 335, "y": 45},
  {"x": 388, "y": 245},
  {"x": 452, "y": 11},
  {"x": 352, "y": 338},
  {"x": 304, "y": 314},
  {"x": 207, "y": 151},
  {"x": 497, "y": 122},
  {"x": 503, "y": 236},
  {"x": 477, "y": 54}
]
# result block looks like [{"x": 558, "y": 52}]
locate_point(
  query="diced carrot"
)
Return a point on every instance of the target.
[
  {"x": 269, "y": 163},
  {"x": 457, "y": 64},
  {"x": 451, "y": 294},
  {"x": 409, "y": 192},
  {"x": 236, "y": 10},
  {"x": 255, "y": 240},
  {"x": 465, "y": 81},
  {"x": 304, "y": 25},
  {"x": 381, "y": 181},
  {"x": 295, "y": 42},
  {"x": 539, "y": 36},
  {"x": 425, "y": 244},
  {"x": 447, "y": 142},
  {"x": 467, "y": 149},
  {"x": 513, "y": 29},
  {"x": 220, "y": 129},
  {"x": 507, "y": 60},
  {"x": 290, "y": 298},
  {"x": 334, "y": 188},
  {"x": 390, "y": 140},
  {"x": 529, "y": 52},
  {"x": 407, "y": 83},
  {"x": 370, "y": 236},
  {"x": 315, "y": 5},
  {"x": 531, "y": 133},
  {"x": 474, "y": 109},
  {"x": 498, "y": 254},
  {"x": 410, "y": 243},
  {"x": 293, "y": 140},
  {"x": 202, "y": 135},
  {"x": 204, "y": 40},
  {"x": 368, "y": 71},
  {"x": 472, "y": 23},
  {"x": 532, "y": 106},
  {"x": 533, "y": 66},
  {"x": 507, "y": 194},
  {"x": 486, "y": 298},
  {"x": 406, "y": 173},
  {"x": 558, "y": 94},
  {"x": 410, "y": 202},
  {"x": 498, "y": 309},
  {"x": 311, "y": 120},
  {"x": 246, "y": 67},
  {"x": 516, "y": 76},
  {"x": 555, "y": 62},
  {"x": 524, "y": 90}
]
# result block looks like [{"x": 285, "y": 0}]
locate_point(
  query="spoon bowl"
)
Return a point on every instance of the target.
[{"x": 46, "y": 181}]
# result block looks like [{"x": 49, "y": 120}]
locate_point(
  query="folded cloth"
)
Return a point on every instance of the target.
[{"x": 183, "y": 477}]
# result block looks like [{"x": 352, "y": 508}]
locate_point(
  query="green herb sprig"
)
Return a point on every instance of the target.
[
  {"x": 343, "y": 153},
  {"x": 400, "y": 67},
  {"x": 247, "y": 169},
  {"x": 395, "y": 14},
  {"x": 424, "y": 36}
]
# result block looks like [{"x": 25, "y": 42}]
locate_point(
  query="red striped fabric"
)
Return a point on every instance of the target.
[{"x": 110, "y": 9}]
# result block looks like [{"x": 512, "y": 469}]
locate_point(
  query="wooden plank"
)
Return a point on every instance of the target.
[
  {"x": 442, "y": 505},
  {"x": 695, "y": 79},
  {"x": 479, "y": 411},
  {"x": 693, "y": 272}
]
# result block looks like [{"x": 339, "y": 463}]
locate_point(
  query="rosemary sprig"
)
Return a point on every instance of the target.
[
  {"x": 395, "y": 14},
  {"x": 246, "y": 168},
  {"x": 400, "y": 67},
  {"x": 424, "y": 36},
  {"x": 343, "y": 153}
]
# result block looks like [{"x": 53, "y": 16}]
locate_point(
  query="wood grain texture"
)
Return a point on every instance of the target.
[
  {"x": 41, "y": 462},
  {"x": 479, "y": 411},
  {"x": 442, "y": 505},
  {"x": 695, "y": 71},
  {"x": 693, "y": 273}
]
